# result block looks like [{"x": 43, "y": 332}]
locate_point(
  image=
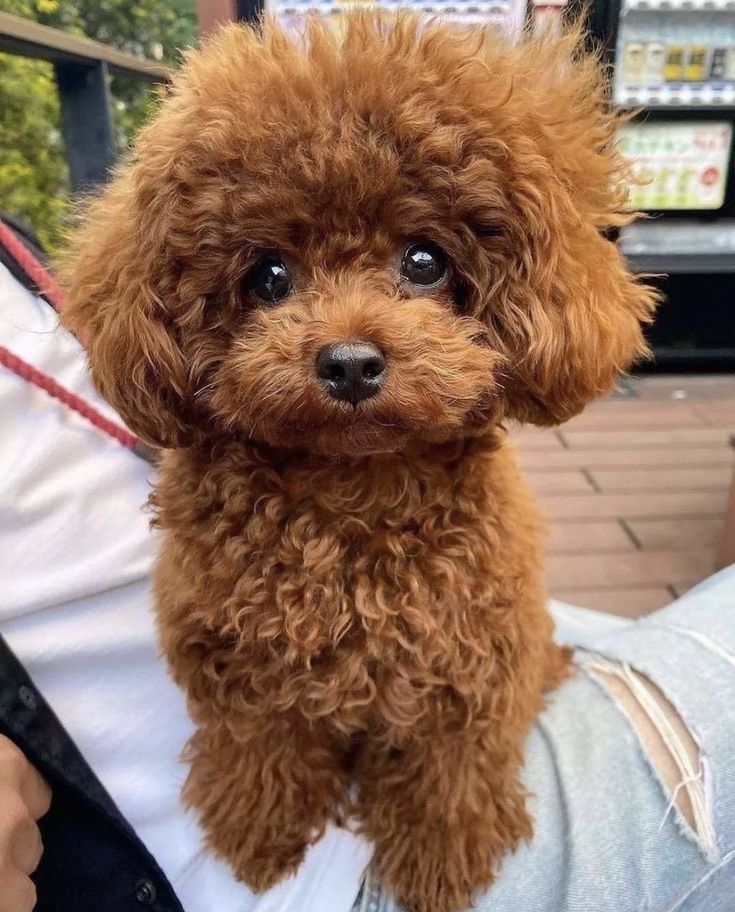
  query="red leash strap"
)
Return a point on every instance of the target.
[
  {"x": 33, "y": 375},
  {"x": 43, "y": 279},
  {"x": 34, "y": 269}
]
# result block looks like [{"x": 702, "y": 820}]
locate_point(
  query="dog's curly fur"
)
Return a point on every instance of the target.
[{"x": 355, "y": 594}]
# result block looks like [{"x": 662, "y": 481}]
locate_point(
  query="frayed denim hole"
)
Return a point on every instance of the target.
[{"x": 671, "y": 750}]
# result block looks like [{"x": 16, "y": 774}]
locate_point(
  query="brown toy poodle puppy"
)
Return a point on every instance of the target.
[{"x": 334, "y": 267}]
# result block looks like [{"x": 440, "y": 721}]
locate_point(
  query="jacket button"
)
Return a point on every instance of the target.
[
  {"x": 27, "y": 697},
  {"x": 145, "y": 892}
]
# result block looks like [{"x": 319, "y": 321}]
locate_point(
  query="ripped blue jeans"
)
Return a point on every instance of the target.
[{"x": 613, "y": 831}]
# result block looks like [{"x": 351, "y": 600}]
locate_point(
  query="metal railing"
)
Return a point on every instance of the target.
[{"x": 82, "y": 68}]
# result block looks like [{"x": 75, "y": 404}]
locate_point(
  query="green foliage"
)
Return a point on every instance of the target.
[{"x": 33, "y": 172}]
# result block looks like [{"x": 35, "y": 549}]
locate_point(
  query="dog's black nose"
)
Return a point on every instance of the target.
[{"x": 351, "y": 371}]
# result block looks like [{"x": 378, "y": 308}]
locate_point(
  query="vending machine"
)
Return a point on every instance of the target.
[{"x": 672, "y": 62}]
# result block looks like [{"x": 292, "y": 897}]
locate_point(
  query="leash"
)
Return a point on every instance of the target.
[
  {"x": 50, "y": 290},
  {"x": 33, "y": 375},
  {"x": 32, "y": 267}
]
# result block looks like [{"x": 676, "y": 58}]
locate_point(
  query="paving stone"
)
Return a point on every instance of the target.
[
  {"x": 635, "y": 568},
  {"x": 682, "y": 533},
  {"x": 657, "y": 479},
  {"x": 613, "y": 457},
  {"x": 585, "y": 537},
  {"x": 559, "y": 482},
  {"x": 622, "y": 439},
  {"x": 630, "y": 506},
  {"x": 624, "y": 602}
]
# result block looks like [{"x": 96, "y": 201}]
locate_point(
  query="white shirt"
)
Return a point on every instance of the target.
[{"x": 75, "y": 559}]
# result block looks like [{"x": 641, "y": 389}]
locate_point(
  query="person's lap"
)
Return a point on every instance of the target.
[{"x": 609, "y": 833}]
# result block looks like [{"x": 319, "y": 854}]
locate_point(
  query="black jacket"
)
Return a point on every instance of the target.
[{"x": 92, "y": 860}]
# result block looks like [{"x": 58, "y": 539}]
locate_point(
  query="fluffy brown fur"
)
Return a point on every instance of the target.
[{"x": 355, "y": 594}]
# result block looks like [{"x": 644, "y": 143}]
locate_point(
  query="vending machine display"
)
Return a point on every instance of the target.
[
  {"x": 675, "y": 52},
  {"x": 509, "y": 14},
  {"x": 677, "y": 166}
]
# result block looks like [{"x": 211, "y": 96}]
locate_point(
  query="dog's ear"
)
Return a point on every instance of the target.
[
  {"x": 571, "y": 314},
  {"x": 569, "y": 341},
  {"x": 117, "y": 283}
]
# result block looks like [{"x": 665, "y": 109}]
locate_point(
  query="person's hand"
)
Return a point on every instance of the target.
[{"x": 24, "y": 798}]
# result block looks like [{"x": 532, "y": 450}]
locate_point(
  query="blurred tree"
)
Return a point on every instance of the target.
[
  {"x": 159, "y": 29},
  {"x": 33, "y": 174}
]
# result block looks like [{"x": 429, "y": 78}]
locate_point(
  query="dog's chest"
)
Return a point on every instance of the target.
[
  {"x": 372, "y": 565},
  {"x": 337, "y": 573}
]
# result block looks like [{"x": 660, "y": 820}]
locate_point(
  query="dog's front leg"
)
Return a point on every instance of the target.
[
  {"x": 442, "y": 812},
  {"x": 265, "y": 791}
]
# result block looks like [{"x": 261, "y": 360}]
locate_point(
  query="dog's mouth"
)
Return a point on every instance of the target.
[
  {"x": 350, "y": 430},
  {"x": 372, "y": 427}
]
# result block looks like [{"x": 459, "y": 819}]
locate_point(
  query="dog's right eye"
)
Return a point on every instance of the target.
[
  {"x": 269, "y": 280},
  {"x": 424, "y": 264}
]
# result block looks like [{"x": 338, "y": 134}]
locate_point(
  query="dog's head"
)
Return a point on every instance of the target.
[{"x": 344, "y": 244}]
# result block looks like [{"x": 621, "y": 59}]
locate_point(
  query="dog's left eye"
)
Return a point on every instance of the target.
[
  {"x": 269, "y": 279},
  {"x": 424, "y": 264}
]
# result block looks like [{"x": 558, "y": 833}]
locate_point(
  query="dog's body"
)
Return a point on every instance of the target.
[
  {"x": 332, "y": 272},
  {"x": 383, "y": 619}
]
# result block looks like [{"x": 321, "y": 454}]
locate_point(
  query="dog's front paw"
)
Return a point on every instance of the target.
[
  {"x": 442, "y": 867},
  {"x": 261, "y": 803},
  {"x": 433, "y": 871},
  {"x": 269, "y": 857}
]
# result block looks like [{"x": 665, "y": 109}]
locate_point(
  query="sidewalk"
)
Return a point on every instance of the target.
[{"x": 636, "y": 487}]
